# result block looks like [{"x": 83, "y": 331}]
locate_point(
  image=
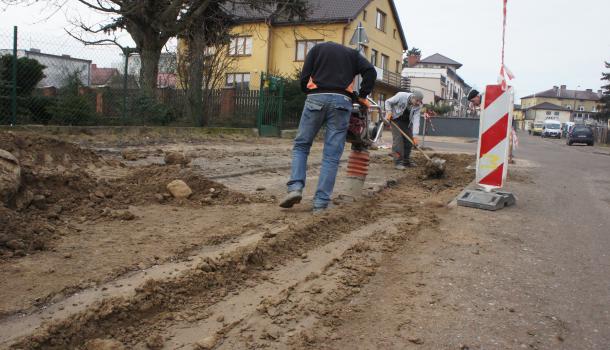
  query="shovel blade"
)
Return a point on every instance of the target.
[{"x": 435, "y": 167}]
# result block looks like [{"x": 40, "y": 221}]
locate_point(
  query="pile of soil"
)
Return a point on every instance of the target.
[
  {"x": 149, "y": 183},
  {"x": 58, "y": 184},
  {"x": 35, "y": 151}
]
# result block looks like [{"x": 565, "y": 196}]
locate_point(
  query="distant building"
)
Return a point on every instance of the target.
[
  {"x": 102, "y": 77},
  {"x": 581, "y": 104},
  {"x": 436, "y": 77},
  {"x": 166, "y": 80},
  {"x": 166, "y": 77},
  {"x": 58, "y": 67},
  {"x": 547, "y": 111},
  {"x": 518, "y": 117}
]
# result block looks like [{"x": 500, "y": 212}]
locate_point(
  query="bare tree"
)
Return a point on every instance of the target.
[{"x": 151, "y": 23}]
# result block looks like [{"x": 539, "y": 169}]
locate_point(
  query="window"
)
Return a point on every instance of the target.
[
  {"x": 394, "y": 34},
  {"x": 364, "y": 15},
  {"x": 238, "y": 80},
  {"x": 303, "y": 47},
  {"x": 374, "y": 57},
  {"x": 569, "y": 107},
  {"x": 240, "y": 46},
  {"x": 548, "y": 112},
  {"x": 384, "y": 62},
  {"x": 581, "y": 108},
  {"x": 556, "y": 113},
  {"x": 397, "y": 66},
  {"x": 380, "y": 21}
]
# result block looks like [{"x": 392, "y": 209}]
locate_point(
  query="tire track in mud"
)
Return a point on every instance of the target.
[
  {"x": 157, "y": 305},
  {"x": 235, "y": 309},
  {"x": 200, "y": 287},
  {"x": 124, "y": 287}
]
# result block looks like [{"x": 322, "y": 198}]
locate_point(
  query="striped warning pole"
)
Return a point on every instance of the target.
[{"x": 494, "y": 126}]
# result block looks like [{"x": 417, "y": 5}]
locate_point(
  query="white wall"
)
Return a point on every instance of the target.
[{"x": 541, "y": 115}]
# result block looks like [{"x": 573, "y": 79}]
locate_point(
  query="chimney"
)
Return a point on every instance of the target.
[
  {"x": 563, "y": 87},
  {"x": 94, "y": 66},
  {"x": 35, "y": 50},
  {"x": 413, "y": 60},
  {"x": 555, "y": 87},
  {"x": 589, "y": 90},
  {"x": 599, "y": 92}
]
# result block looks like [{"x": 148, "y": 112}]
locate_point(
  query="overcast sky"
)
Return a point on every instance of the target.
[{"x": 549, "y": 42}]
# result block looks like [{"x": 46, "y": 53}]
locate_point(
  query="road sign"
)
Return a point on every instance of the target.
[
  {"x": 495, "y": 123},
  {"x": 359, "y": 36}
]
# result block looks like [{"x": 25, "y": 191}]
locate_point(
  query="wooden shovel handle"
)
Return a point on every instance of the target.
[{"x": 410, "y": 140}]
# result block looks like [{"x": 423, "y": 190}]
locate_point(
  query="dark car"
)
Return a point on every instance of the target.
[{"x": 580, "y": 134}]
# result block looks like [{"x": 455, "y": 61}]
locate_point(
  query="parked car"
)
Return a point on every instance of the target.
[
  {"x": 537, "y": 130},
  {"x": 551, "y": 128},
  {"x": 580, "y": 134}
]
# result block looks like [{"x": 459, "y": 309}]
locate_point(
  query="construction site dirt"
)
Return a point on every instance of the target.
[{"x": 97, "y": 253}]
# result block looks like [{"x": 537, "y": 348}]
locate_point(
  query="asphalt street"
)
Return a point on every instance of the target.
[
  {"x": 567, "y": 208},
  {"x": 532, "y": 276}
]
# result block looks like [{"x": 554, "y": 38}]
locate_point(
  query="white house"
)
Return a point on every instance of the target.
[
  {"x": 545, "y": 111},
  {"x": 58, "y": 67},
  {"x": 436, "y": 77}
]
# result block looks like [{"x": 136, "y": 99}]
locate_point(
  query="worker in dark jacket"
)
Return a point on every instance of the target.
[
  {"x": 475, "y": 97},
  {"x": 328, "y": 80}
]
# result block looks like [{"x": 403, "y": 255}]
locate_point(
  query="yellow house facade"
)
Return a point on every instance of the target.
[
  {"x": 580, "y": 104},
  {"x": 261, "y": 45}
]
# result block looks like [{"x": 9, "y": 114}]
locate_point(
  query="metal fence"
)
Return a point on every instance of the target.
[{"x": 60, "y": 81}]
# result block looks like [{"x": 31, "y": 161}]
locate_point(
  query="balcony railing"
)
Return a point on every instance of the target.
[{"x": 389, "y": 78}]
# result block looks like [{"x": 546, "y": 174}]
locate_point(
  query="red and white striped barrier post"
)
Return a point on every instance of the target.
[{"x": 494, "y": 137}]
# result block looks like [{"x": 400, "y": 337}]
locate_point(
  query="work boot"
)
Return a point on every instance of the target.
[
  {"x": 318, "y": 210},
  {"x": 292, "y": 198},
  {"x": 321, "y": 210},
  {"x": 409, "y": 164},
  {"x": 400, "y": 167}
]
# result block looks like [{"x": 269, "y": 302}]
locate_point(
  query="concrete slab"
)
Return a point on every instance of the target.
[{"x": 477, "y": 198}]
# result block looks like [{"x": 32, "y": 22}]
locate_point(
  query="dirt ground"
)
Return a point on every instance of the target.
[{"x": 96, "y": 254}]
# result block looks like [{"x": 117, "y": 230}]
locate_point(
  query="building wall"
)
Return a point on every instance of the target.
[
  {"x": 543, "y": 114},
  {"x": 587, "y": 104},
  {"x": 257, "y": 62},
  {"x": 432, "y": 78},
  {"x": 284, "y": 44},
  {"x": 274, "y": 48},
  {"x": 430, "y": 87},
  {"x": 387, "y": 43},
  {"x": 57, "y": 68}
]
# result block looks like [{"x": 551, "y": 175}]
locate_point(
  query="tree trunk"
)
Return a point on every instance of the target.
[
  {"x": 150, "y": 53},
  {"x": 194, "y": 92}
]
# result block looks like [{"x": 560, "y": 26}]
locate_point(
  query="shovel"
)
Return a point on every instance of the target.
[{"x": 435, "y": 167}]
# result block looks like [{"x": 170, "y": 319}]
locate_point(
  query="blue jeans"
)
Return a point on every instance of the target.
[{"x": 334, "y": 110}]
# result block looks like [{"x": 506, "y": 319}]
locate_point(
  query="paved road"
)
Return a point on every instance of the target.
[
  {"x": 466, "y": 147},
  {"x": 572, "y": 199},
  {"x": 533, "y": 276}
]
